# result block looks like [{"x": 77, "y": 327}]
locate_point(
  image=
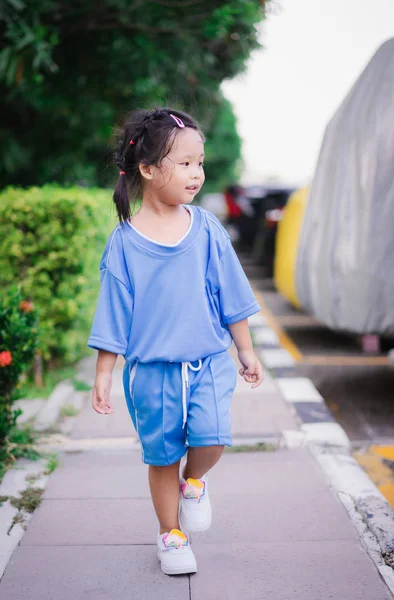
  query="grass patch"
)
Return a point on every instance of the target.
[
  {"x": 20, "y": 443},
  {"x": 51, "y": 378},
  {"x": 28, "y": 500},
  {"x": 80, "y": 386},
  {"x": 52, "y": 464},
  {"x": 19, "y": 518},
  {"x": 259, "y": 447},
  {"x": 68, "y": 410}
]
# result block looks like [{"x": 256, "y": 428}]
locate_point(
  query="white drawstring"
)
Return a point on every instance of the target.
[{"x": 185, "y": 384}]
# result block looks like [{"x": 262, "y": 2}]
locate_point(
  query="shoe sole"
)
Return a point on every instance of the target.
[{"x": 180, "y": 571}]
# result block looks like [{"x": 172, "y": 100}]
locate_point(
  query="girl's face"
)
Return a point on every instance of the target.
[{"x": 181, "y": 173}]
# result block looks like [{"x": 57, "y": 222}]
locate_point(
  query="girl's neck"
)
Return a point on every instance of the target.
[{"x": 160, "y": 209}]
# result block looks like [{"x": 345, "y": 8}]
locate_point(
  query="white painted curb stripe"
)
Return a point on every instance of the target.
[
  {"x": 257, "y": 320},
  {"x": 298, "y": 389},
  {"x": 265, "y": 336},
  {"x": 277, "y": 358},
  {"x": 326, "y": 433}
]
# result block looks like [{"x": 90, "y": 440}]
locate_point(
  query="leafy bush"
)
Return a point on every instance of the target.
[
  {"x": 18, "y": 340},
  {"x": 51, "y": 241}
]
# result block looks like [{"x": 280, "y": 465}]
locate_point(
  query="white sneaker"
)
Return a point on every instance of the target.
[
  {"x": 175, "y": 553},
  {"x": 195, "y": 511}
]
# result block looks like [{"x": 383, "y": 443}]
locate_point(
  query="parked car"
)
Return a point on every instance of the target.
[{"x": 267, "y": 203}]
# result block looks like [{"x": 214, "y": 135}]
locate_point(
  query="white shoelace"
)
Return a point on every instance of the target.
[{"x": 185, "y": 384}]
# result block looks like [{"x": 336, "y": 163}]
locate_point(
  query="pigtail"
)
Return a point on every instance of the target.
[{"x": 121, "y": 198}]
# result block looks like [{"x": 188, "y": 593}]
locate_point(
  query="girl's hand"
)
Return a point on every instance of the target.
[
  {"x": 101, "y": 392},
  {"x": 252, "y": 370}
]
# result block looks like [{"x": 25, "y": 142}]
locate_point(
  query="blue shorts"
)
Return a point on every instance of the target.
[{"x": 175, "y": 405}]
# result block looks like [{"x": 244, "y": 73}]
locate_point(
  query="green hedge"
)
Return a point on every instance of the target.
[{"x": 51, "y": 241}]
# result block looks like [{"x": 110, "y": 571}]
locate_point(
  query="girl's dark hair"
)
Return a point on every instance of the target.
[{"x": 147, "y": 137}]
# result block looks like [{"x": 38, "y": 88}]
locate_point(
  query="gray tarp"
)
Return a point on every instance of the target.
[{"x": 345, "y": 260}]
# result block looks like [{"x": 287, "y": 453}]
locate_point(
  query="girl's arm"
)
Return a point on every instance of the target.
[
  {"x": 102, "y": 386},
  {"x": 252, "y": 370}
]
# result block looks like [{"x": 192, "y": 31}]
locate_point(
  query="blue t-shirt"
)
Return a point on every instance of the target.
[{"x": 163, "y": 302}]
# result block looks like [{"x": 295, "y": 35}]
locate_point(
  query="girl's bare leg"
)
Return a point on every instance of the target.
[
  {"x": 200, "y": 460},
  {"x": 164, "y": 483},
  {"x": 164, "y": 488}
]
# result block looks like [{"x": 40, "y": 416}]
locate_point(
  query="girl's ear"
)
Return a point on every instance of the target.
[{"x": 147, "y": 171}]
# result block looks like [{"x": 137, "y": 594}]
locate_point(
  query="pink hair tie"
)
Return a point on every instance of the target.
[
  {"x": 178, "y": 121},
  {"x": 131, "y": 142},
  {"x": 122, "y": 173}
]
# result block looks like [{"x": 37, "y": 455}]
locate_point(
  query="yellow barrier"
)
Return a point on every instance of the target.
[{"x": 287, "y": 244}]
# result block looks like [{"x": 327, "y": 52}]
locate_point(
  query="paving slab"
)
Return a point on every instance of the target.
[
  {"x": 80, "y": 459},
  {"x": 281, "y": 472},
  {"x": 297, "y": 571},
  {"x": 123, "y": 475},
  {"x": 111, "y": 481},
  {"x": 260, "y": 415},
  {"x": 274, "y": 519},
  {"x": 263, "y": 495},
  {"x": 97, "y": 521},
  {"x": 90, "y": 424},
  {"x": 89, "y": 573},
  {"x": 261, "y": 411}
]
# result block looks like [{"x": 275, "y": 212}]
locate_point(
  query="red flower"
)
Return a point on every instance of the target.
[
  {"x": 5, "y": 358},
  {"x": 26, "y": 306}
]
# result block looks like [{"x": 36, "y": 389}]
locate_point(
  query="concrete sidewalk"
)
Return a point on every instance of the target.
[{"x": 279, "y": 532}]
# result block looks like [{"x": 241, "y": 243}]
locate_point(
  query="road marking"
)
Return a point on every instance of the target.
[
  {"x": 272, "y": 322},
  {"x": 378, "y": 472},
  {"x": 384, "y": 451}
]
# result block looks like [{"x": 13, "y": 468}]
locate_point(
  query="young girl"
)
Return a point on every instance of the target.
[{"x": 173, "y": 298}]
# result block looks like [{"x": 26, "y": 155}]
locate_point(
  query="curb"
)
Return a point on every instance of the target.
[
  {"x": 330, "y": 446},
  {"x": 13, "y": 483},
  {"x": 14, "y": 480},
  {"x": 49, "y": 413}
]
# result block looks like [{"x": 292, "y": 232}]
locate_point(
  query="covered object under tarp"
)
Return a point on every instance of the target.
[{"x": 345, "y": 259}]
